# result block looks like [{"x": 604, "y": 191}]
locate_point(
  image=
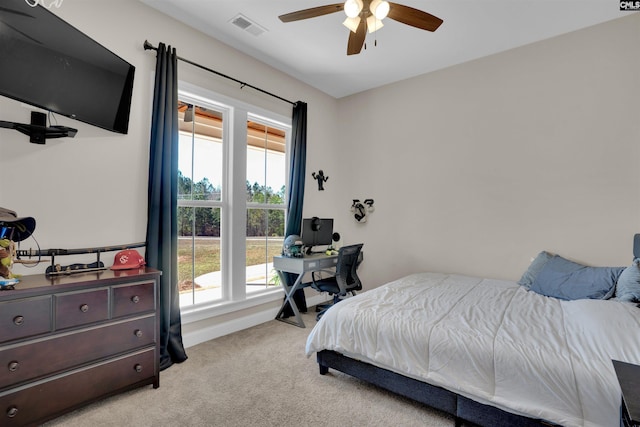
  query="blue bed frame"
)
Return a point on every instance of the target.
[{"x": 464, "y": 410}]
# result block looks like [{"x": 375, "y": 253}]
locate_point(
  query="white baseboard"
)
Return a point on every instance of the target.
[{"x": 207, "y": 333}]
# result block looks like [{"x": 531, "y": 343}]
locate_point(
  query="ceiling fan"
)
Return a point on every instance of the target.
[{"x": 363, "y": 15}]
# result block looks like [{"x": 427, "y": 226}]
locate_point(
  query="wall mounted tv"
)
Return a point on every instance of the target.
[{"x": 47, "y": 63}]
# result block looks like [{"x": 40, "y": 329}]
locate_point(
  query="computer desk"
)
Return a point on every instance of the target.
[{"x": 299, "y": 266}]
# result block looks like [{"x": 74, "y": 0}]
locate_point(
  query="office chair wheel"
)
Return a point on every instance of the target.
[{"x": 322, "y": 307}]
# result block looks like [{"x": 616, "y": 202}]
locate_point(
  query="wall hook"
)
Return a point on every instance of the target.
[{"x": 361, "y": 209}]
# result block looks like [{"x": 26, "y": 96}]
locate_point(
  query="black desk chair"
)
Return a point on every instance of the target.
[{"x": 344, "y": 281}]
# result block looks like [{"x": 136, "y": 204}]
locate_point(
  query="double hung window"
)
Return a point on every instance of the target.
[{"x": 232, "y": 176}]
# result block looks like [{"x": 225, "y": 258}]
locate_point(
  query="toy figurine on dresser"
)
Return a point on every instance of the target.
[{"x": 12, "y": 229}]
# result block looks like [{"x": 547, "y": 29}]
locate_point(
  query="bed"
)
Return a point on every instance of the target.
[{"x": 490, "y": 352}]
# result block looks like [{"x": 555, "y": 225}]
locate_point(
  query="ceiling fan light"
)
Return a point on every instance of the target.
[
  {"x": 379, "y": 8},
  {"x": 352, "y": 23},
  {"x": 352, "y": 8},
  {"x": 374, "y": 24}
]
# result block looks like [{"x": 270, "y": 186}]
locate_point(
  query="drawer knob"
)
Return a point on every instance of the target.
[
  {"x": 18, "y": 320},
  {"x": 135, "y": 299},
  {"x": 138, "y": 367},
  {"x": 84, "y": 308},
  {"x": 138, "y": 333},
  {"x": 12, "y": 411},
  {"x": 13, "y": 366}
]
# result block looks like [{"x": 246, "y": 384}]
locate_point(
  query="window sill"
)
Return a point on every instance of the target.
[{"x": 207, "y": 311}]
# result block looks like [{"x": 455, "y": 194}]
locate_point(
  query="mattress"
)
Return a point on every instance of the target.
[{"x": 492, "y": 341}]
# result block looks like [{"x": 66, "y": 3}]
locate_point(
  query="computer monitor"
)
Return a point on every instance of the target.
[{"x": 317, "y": 232}]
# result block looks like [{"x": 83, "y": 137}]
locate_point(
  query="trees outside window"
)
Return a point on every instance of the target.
[{"x": 231, "y": 195}]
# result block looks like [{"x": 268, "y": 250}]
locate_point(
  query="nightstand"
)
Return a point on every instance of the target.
[{"x": 629, "y": 379}]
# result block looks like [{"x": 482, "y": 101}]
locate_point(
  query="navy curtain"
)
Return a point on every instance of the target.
[
  {"x": 162, "y": 229},
  {"x": 296, "y": 191}
]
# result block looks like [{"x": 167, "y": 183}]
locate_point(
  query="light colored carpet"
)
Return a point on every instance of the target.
[{"x": 256, "y": 377}]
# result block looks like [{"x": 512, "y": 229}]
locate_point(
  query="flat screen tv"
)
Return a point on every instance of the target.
[{"x": 47, "y": 63}]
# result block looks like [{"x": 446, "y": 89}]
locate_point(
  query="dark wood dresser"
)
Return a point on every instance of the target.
[{"x": 70, "y": 340}]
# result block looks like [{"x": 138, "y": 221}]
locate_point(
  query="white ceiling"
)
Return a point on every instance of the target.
[{"x": 314, "y": 50}]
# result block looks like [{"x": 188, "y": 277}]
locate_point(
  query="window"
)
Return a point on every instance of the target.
[
  {"x": 265, "y": 201},
  {"x": 232, "y": 176}
]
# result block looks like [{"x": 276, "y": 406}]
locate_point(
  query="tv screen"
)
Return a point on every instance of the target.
[
  {"x": 47, "y": 63},
  {"x": 317, "y": 232}
]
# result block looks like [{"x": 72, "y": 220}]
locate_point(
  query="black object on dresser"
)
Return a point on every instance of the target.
[
  {"x": 70, "y": 340},
  {"x": 629, "y": 379}
]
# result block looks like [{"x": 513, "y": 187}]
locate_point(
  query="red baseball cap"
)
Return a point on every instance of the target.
[{"x": 128, "y": 259}]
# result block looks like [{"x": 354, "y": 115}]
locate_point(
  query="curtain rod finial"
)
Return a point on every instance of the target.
[{"x": 147, "y": 45}]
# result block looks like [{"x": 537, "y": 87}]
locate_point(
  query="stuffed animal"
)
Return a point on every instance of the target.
[{"x": 5, "y": 259}]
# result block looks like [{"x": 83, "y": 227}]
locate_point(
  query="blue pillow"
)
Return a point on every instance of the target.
[
  {"x": 628, "y": 287},
  {"x": 534, "y": 268},
  {"x": 568, "y": 280}
]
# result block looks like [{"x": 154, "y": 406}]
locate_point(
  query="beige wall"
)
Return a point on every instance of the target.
[{"x": 474, "y": 169}]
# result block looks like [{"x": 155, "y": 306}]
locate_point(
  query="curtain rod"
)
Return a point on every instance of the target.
[{"x": 148, "y": 46}]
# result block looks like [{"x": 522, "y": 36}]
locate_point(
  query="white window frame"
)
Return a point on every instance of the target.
[{"x": 233, "y": 250}]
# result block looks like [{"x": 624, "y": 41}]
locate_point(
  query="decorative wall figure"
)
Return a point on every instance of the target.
[
  {"x": 361, "y": 209},
  {"x": 320, "y": 178}
]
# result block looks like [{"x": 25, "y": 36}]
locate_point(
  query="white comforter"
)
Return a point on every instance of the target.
[{"x": 492, "y": 341}]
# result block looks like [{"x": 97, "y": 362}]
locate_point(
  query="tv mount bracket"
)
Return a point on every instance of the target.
[{"x": 38, "y": 131}]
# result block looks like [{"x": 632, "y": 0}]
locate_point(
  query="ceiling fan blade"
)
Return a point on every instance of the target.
[
  {"x": 356, "y": 40},
  {"x": 414, "y": 17},
  {"x": 311, "y": 13}
]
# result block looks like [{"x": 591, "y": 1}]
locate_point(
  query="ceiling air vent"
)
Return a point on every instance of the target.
[{"x": 247, "y": 25}]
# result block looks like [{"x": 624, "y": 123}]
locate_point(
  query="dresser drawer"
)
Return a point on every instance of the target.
[
  {"x": 81, "y": 308},
  {"x": 133, "y": 299},
  {"x": 25, "y": 318},
  {"x": 44, "y": 400},
  {"x": 25, "y": 362}
]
